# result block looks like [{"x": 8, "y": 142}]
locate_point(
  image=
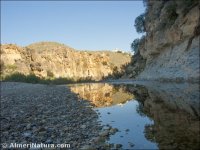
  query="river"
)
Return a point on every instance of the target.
[{"x": 148, "y": 115}]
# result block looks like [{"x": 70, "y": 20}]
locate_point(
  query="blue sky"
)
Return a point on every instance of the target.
[{"x": 86, "y": 25}]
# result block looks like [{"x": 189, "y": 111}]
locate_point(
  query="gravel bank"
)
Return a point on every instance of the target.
[{"x": 34, "y": 113}]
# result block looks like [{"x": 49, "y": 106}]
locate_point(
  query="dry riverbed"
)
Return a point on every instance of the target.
[{"x": 51, "y": 114}]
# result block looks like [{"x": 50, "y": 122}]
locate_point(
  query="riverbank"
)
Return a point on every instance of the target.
[{"x": 51, "y": 114}]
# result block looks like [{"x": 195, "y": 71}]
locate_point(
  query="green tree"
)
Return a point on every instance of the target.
[
  {"x": 140, "y": 23},
  {"x": 135, "y": 45}
]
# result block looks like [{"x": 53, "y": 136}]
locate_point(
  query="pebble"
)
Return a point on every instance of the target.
[
  {"x": 113, "y": 130},
  {"x": 27, "y": 134},
  {"x": 83, "y": 126},
  {"x": 28, "y": 127},
  {"x": 49, "y": 141}
]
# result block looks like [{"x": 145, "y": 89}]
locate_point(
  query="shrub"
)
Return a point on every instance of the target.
[
  {"x": 61, "y": 80},
  {"x": 104, "y": 63},
  {"x": 50, "y": 74},
  {"x": 19, "y": 77},
  {"x": 16, "y": 77},
  {"x": 11, "y": 66},
  {"x": 32, "y": 79},
  {"x": 2, "y": 66},
  {"x": 119, "y": 51}
]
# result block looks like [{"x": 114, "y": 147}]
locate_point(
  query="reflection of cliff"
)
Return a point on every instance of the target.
[
  {"x": 101, "y": 95},
  {"x": 175, "y": 112}
]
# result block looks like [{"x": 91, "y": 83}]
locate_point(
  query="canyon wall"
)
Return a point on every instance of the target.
[
  {"x": 54, "y": 60},
  {"x": 170, "y": 47}
]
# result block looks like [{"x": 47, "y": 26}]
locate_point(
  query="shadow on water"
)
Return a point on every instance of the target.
[{"x": 148, "y": 115}]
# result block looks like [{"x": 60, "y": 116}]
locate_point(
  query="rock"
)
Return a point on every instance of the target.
[
  {"x": 131, "y": 144},
  {"x": 104, "y": 133},
  {"x": 113, "y": 130},
  {"x": 49, "y": 141},
  {"x": 28, "y": 127},
  {"x": 169, "y": 52},
  {"x": 127, "y": 130},
  {"x": 83, "y": 126},
  {"x": 41, "y": 129},
  {"x": 87, "y": 147},
  {"x": 27, "y": 134},
  {"x": 118, "y": 146}
]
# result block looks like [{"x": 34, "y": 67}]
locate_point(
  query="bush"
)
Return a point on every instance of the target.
[
  {"x": 140, "y": 23},
  {"x": 104, "y": 63},
  {"x": 2, "y": 66},
  {"x": 16, "y": 77},
  {"x": 11, "y": 67},
  {"x": 32, "y": 78},
  {"x": 19, "y": 77},
  {"x": 61, "y": 80},
  {"x": 50, "y": 74}
]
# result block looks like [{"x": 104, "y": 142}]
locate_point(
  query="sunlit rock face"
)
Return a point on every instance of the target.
[
  {"x": 175, "y": 112},
  {"x": 51, "y": 59},
  {"x": 102, "y": 95}
]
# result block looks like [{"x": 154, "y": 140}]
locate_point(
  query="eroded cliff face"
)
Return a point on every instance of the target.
[
  {"x": 50, "y": 59},
  {"x": 171, "y": 44}
]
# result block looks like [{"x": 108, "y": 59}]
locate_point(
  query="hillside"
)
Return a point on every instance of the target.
[
  {"x": 170, "y": 48},
  {"x": 55, "y": 60}
]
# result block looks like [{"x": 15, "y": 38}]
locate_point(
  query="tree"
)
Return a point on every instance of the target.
[
  {"x": 140, "y": 23},
  {"x": 135, "y": 45}
]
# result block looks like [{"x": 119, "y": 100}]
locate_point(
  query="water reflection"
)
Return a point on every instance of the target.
[
  {"x": 164, "y": 116},
  {"x": 175, "y": 111},
  {"x": 102, "y": 94}
]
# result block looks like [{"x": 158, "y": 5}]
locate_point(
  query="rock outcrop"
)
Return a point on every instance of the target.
[
  {"x": 54, "y": 60},
  {"x": 171, "y": 44}
]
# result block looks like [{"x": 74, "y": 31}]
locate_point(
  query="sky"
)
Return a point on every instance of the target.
[{"x": 83, "y": 25}]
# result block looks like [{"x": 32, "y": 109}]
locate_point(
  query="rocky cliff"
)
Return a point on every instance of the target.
[
  {"x": 170, "y": 47},
  {"x": 54, "y": 60}
]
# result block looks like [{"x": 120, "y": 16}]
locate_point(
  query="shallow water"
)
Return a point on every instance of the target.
[{"x": 148, "y": 115}]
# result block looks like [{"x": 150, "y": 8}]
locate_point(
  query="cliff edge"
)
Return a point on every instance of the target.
[{"x": 169, "y": 50}]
